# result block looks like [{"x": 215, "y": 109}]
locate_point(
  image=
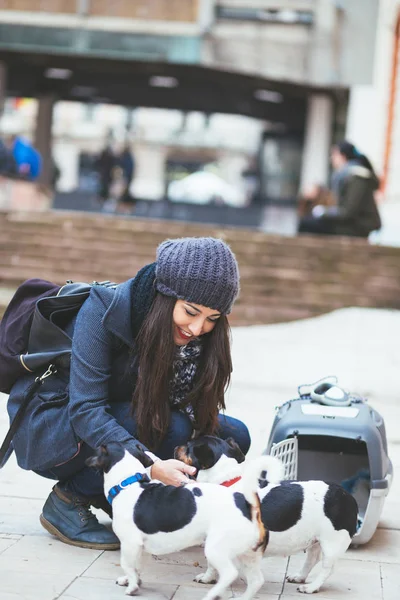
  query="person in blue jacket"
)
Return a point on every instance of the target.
[
  {"x": 27, "y": 158},
  {"x": 150, "y": 362}
]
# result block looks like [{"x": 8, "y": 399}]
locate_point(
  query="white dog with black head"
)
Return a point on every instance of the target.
[
  {"x": 312, "y": 516},
  {"x": 160, "y": 519}
]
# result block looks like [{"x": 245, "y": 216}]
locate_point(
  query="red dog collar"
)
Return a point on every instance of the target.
[{"x": 231, "y": 482}]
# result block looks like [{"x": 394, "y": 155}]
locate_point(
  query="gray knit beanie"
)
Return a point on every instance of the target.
[{"x": 200, "y": 270}]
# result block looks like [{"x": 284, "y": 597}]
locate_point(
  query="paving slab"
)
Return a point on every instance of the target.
[
  {"x": 190, "y": 593},
  {"x": 86, "y": 588},
  {"x": 20, "y": 515},
  {"x": 31, "y": 553},
  {"x": 351, "y": 580},
  {"x": 32, "y": 585},
  {"x": 390, "y": 582},
  {"x": 384, "y": 548},
  {"x": 269, "y": 588},
  {"x": 8, "y": 540}
]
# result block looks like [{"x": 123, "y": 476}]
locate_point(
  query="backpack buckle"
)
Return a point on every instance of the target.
[{"x": 51, "y": 369}]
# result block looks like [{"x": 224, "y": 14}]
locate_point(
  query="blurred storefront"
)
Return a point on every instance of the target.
[{"x": 249, "y": 93}]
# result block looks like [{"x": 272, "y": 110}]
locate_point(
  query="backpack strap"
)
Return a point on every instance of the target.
[{"x": 28, "y": 395}]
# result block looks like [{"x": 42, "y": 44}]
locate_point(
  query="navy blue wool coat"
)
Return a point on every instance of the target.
[{"x": 71, "y": 407}]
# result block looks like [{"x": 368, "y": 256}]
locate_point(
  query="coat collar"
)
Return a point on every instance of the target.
[{"x": 130, "y": 304}]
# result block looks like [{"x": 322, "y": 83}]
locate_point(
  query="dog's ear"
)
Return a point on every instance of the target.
[
  {"x": 235, "y": 451},
  {"x": 140, "y": 453},
  {"x": 204, "y": 455},
  {"x": 145, "y": 459},
  {"x": 100, "y": 459}
]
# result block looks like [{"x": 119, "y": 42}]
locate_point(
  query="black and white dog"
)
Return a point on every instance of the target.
[
  {"x": 162, "y": 518},
  {"x": 314, "y": 516}
]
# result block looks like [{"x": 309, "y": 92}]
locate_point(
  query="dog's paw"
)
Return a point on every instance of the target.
[
  {"x": 132, "y": 589},
  {"x": 123, "y": 580},
  {"x": 307, "y": 589},
  {"x": 204, "y": 578},
  {"x": 295, "y": 579}
]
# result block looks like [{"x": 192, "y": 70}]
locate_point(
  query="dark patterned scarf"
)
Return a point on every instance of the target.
[{"x": 184, "y": 370}]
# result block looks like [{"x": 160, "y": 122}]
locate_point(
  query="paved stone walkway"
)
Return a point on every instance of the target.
[{"x": 358, "y": 345}]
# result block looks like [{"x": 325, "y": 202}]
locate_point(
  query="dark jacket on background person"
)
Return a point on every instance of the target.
[
  {"x": 356, "y": 212},
  {"x": 105, "y": 165},
  {"x": 103, "y": 371},
  {"x": 127, "y": 164},
  {"x": 8, "y": 166}
]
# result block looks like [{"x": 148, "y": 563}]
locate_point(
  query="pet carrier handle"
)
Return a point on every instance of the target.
[{"x": 330, "y": 395}]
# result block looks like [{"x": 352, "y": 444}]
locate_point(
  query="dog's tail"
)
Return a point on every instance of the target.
[
  {"x": 253, "y": 471},
  {"x": 273, "y": 469},
  {"x": 263, "y": 467}
]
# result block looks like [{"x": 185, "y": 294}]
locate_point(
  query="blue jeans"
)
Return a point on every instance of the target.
[{"x": 86, "y": 481}]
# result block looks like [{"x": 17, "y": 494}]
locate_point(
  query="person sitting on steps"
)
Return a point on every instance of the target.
[{"x": 354, "y": 184}]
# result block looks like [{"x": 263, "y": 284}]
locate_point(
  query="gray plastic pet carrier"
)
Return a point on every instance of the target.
[{"x": 340, "y": 439}]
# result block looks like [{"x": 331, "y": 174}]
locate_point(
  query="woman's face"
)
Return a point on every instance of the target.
[{"x": 191, "y": 321}]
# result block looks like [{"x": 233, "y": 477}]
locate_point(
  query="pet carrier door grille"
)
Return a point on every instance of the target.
[{"x": 287, "y": 452}]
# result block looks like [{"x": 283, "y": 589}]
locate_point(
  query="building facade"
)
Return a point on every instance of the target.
[
  {"x": 286, "y": 66},
  {"x": 373, "y": 120}
]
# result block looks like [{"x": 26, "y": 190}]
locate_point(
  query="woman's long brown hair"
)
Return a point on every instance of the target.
[{"x": 155, "y": 351}]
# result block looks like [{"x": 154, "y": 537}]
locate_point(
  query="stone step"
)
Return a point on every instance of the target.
[
  {"x": 265, "y": 251},
  {"x": 256, "y": 247},
  {"x": 255, "y": 280},
  {"x": 131, "y": 232},
  {"x": 281, "y": 278},
  {"x": 259, "y": 285},
  {"x": 149, "y": 232},
  {"x": 307, "y": 298},
  {"x": 254, "y": 255}
]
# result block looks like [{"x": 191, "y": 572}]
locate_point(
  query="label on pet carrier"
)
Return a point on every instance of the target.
[{"x": 349, "y": 412}]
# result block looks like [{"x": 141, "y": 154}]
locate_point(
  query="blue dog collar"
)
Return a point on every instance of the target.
[{"x": 116, "y": 489}]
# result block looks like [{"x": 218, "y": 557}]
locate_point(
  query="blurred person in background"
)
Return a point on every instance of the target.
[
  {"x": 126, "y": 163},
  {"x": 24, "y": 161},
  {"x": 353, "y": 184},
  {"x": 8, "y": 166},
  {"x": 105, "y": 165},
  {"x": 55, "y": 173}
]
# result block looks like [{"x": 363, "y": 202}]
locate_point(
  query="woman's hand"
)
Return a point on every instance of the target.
[{"x": 171, "y": 472}]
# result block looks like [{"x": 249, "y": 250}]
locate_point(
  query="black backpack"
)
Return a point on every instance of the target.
[{"x": 32, "y": 335}]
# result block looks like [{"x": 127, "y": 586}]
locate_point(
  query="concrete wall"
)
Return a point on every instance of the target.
[
  {"x": 271, "y": 51},
  {"x": 367, "y": 123},
  {"x": 336, "y": 49},
  {"x": 356, "y": 39}
]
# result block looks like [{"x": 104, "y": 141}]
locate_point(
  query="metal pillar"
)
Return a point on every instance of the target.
[
  {"x": 43, "y": 136},
  {"x": 3, "y": 86},
  {"x": 317, "y": 141}
]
